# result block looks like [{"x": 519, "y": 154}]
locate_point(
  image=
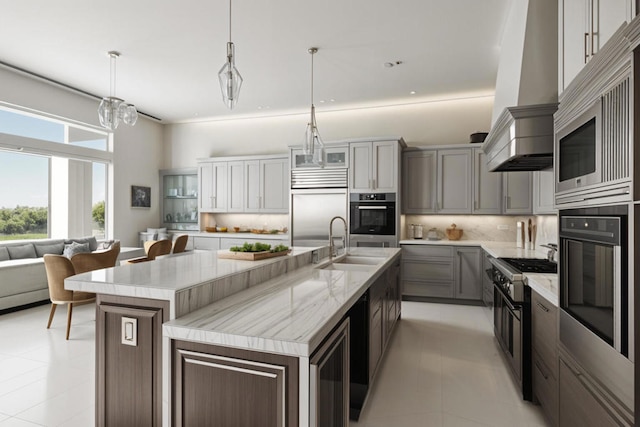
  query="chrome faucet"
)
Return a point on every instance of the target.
[
  {"x": 551, "y": 253},
  {"x": 332, "y": 249}
]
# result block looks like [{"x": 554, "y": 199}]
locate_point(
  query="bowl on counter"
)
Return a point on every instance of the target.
[{"x": 454, "y": 233}]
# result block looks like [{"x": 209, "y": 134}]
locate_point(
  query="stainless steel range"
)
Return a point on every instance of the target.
[{"x": 512, "y": 313}]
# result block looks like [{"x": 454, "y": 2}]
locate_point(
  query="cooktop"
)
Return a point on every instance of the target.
[{"x": 532, "y": 265}]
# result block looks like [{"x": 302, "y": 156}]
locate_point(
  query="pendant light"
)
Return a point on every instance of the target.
[
  {"x": 313, "y": 145},
  {"x": 112, "y": 109},
  {"x": 229, "y": 76}
]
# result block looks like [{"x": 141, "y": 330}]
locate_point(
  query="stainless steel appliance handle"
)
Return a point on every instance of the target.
[
  {"x": 372, "y": 207},
  {"x": 617, "y": 298}
]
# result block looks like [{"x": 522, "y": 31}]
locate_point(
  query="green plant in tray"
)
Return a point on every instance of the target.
[{"x": 258, "y": 247}]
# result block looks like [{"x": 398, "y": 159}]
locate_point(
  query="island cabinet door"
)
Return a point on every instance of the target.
[
  {"x": 129, "y": 361},
  {"x": 220, "y": 386}
]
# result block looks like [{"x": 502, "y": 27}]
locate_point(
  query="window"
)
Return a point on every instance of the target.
[{"x": 58, "y": 174}]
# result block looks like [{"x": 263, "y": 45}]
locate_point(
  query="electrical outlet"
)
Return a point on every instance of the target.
[{"x": 503, "y": 227}]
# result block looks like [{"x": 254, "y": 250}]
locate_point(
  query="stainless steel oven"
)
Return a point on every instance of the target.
[
  {"x": 372, "y": 213},
  {"x": 596, "y": 312}
]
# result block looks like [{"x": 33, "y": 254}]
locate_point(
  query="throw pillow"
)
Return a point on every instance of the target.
[
  {"x": 103, "y": 246},
  {"x": 75, "y": 248},
  {"x": 4, "y": 254},
  {"x": 92, "y": 241},
  {"x": 22, "y": 251},
  {"x": 55, "y": 248}
]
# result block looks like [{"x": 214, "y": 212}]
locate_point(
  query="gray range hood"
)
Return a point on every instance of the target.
[{"x": 521, "y": 139}]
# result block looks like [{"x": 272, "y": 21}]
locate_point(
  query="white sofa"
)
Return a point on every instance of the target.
[{"x": 23, "y": 279}]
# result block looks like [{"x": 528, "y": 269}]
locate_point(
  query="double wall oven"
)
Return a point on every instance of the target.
[
  {"x": 512, "y": 313},
  {"x": 596, "y": 301}
]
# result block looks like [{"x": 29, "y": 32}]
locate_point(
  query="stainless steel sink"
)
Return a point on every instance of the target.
[
  {"x": 348, "y": 267},
  {"x": 359, "y": 260}
]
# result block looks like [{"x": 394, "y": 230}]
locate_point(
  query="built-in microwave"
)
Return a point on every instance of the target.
[{"x": 578, "y": 151}]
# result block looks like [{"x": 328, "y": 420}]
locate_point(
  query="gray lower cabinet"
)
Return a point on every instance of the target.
[
  {"x": 487, "y": 280},
  {"x": 221, "y": 386},
  {"x": 442, "y": 271},
  {"x": 129, "y": 371},
  {"x": 582, "y": 402},
  {"x": 544, "y": 332},
  {"x": 376, "y": 325}
]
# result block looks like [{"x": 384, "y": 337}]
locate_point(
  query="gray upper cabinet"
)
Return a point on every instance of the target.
[
  {"x": 257, "y": 184},
  {"x": 517, "y": 193},
  {"x": 213, "y": 186},
  {"x": 543, "y": 192},
  {"x": 373, "y": 167},
  {"x": 584, "y": 27},
  {"x": 468, "y": 264},
  {"x": 454, "y": 181},
  {"x": 487, "y": 186},
  {"x": 419, "y": 181}
]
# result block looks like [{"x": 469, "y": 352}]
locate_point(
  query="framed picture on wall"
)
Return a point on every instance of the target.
[{"x": 140, "y": 196}]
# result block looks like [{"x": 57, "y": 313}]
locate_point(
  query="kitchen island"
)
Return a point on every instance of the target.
[{"x": 282, "y": 307}]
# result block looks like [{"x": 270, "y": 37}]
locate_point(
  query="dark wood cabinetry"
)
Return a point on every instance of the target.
[
  {"x": 129, "y": 361},
  {"x": 544, "y": 331},
  {"x": 221, "y": 386}
]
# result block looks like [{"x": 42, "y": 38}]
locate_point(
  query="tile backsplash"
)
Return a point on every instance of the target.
[{"x": 483, "y": 227}]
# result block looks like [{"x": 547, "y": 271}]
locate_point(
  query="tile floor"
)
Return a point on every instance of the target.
[{"x": 442, "y": 369}]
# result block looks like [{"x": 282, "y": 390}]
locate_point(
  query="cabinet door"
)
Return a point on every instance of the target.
[
  {"x": 252, "y": 186},
  {"x": 205, "y": 184},
  {"x": 274, "y": 186},
  {"x": 360, "y": 164},
  {"x": 375, "y": 332},
  {"x": 219, "y": 185},
  {"x": 454, "y": 181},
  {"x": 487, "y": 186},
  {"x": 468, "y": 279},
  {"x": 419, "y": 181},
  {"x": 543, "y": 192},
  {"x": 385, "y": 167},
  {"x": 206, "y": 243},
  {"x": 608, "y": 15},
  {"x": 574, "y": 40},
  {"x": 517, "y": 193},
  {"x": 235, "y": 185}
]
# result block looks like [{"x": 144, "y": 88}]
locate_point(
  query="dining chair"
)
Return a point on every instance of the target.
[
  {"x": 58, "y": 268},
  {"x": 180, "y": 244},
  {"x": 153, "y": 248},
  {"x": 90, "y": 261}
]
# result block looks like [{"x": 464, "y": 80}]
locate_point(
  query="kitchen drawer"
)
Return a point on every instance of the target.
[
  {"x": 429, "y": 289},
  {"x": 545, "y": 388},
  {"x": 544, "y": 316},
  {"x": 426, "y": 251},
  {"x": 427, "y": 270}
]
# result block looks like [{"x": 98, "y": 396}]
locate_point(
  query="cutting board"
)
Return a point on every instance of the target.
[{"x": 251, "y": 256}]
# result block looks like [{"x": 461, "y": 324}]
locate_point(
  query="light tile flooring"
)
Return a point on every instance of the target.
[{"x": 442, "y": 368}]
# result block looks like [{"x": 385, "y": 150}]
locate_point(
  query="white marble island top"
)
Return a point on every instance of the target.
[
  {"x": 165, "y": 278},
  {"x": 290, "y": 314}
]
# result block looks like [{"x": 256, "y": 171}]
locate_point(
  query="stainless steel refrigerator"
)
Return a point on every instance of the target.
[{"x": 311, "y": 212}]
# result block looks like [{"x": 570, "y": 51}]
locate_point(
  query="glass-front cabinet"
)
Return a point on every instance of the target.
[{"x": 179, "y": 192}]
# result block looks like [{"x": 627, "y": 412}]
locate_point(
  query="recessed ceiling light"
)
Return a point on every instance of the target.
[
  {"x": 322, "y": 101},
  {"x": 413, "y": 92},
  {"x": 332, "y": 100}
]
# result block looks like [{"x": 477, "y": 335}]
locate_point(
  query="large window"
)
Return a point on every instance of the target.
[{"x": 54, "y": 175}]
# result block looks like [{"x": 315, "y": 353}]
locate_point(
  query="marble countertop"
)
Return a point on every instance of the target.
[
  {"x": 544, "y": 284},
  {"x": 290, "y": 314},
  {"x": 163, "y": 278}
]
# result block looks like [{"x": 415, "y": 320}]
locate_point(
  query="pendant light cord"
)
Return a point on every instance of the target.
[
  {"x": 312, "y": 79},
  {"x": 229, "y": 21},
  {"x": 112, "y": 88}
]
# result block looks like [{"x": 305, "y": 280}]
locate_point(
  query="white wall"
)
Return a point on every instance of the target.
[
  {"x": 426, "y": 123},
  {"x": 137, "y": 152}
]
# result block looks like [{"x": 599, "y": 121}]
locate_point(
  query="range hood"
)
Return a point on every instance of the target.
[{"x": 521, "y": 139}]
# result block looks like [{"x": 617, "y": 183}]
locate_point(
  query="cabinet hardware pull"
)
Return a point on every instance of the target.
[
  {"x": 545, "y": 309},
  {"x": 541, "y": 371},
  {"x": 586, "y": 52}
]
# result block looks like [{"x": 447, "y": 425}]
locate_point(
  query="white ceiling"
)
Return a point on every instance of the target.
[{"x": 171, "y": 51}]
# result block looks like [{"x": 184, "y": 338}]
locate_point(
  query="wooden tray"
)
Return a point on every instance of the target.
[{"x": 251, "y": 256}]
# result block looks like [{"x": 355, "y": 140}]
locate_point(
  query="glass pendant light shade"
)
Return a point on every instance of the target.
[
  {"x": 112, "y": 110},
  {"x": 108, "y": 112},
  {"x": 313, "y": 145},
  {"x": 230, "y": 79}
]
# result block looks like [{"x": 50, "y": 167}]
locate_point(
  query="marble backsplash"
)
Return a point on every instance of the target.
[
  {"x": 499, "y": 228},
  {"x": 230, "y": 220}
]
